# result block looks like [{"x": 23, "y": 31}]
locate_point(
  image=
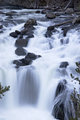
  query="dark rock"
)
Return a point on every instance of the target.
[
  {"x": 65, "y": 30},
  {"x": 30, "y": 22},
  {"x": 66, "y": 41},
  {"x": 24, "y": 31},
  {"x": 28, "y": 31},
  {"x": 17, "y": 32},
  {"x": 22, "y": 62},
  {"x": 38, "y": 11},
  {"x": 50, "y": 15},
  {"x": 64, "y": 64},
  {"x": 50, "y": 28},
  {"x": 1, "y": 31},
  {"x": 32, "y": 56},
  {"x": 21, "y": 42},
  {"x": 30, "y": 36},
  {"x": 63, "y": 108},
  {"x": 1, "y": 26},
  {"x": 62, "y": 41},
  {"x": 58, "y": 110},
  {"x": 20, "y": 51},
  {"x": 18, "y": 63},
  {"x": 10, "y": 13},
  {"x": 27, "y": 60},
  {"x": 14, "y": 34},
  {"x": 49, "y": 31},
  {"x": 44, "y": 11},
  {"x": 61, "y": 87}
]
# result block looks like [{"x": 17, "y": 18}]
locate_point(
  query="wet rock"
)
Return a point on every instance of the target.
[
  {"x": 38, "y": 11},
  {"x": 1, "y": 31},
  {"x": 58, "y": 110},
  {"x": 22, "y": 62},
  {"x": 10, "y": 13},
  {"x": 50, "y": 28},
  {"x": 15, "y": 34},
  {"x": 44, "y": 11},
  {"x": 64, "y": 64},
  {"x": 65, "y": 30},
  {"x": 27, "y": 60},
  {"x": 49, "y": 31},
  {"x": 32, "y": 56},
  {"x": 50, "y": 15},
  {"x": 30, "y": 36},
  {"x": 18, "y": 63},
  {"x": 63, "y": 108},
  {"x": 20, "y": 51},
  {"x": 61, "y": 87},
  {"x": 21, "y": 42},
  {"x": 28, "y": 31},
  {"x": 69, "y": 11},
  {"x": 30, "y": 22},
  {"x": 62, "y": 41},
  {"x": 1, "y": 26}
]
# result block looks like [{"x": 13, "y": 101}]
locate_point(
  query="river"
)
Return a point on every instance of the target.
[{"x": 33, "y": 87}]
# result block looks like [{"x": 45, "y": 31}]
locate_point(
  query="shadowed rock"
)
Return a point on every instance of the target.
[
  {"x": 49, "y": 31},
  {"x": 1, "y": 26},
  {"x": 63, "y": 108},
  {"x": 15, "y": 34},
  {"x": 64, "y": 64},
  {"x": 61, "y": 87}
]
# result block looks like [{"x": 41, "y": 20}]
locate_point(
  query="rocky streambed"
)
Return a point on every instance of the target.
[{"x": 39, "y": 49}]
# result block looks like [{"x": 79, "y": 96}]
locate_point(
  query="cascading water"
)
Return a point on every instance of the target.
[
  {"x": 33, "y": 88},
  {"x": 29, "y": 85}
]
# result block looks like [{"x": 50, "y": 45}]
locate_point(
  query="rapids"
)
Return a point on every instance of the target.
[{"x": 33, "y": 87}]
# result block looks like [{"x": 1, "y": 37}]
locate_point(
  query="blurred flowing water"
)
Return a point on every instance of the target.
[{"x": 33, "y": 87}]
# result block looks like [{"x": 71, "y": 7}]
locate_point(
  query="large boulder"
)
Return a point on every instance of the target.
[
  {"x": 58, "y": 110},
  {"x": 30, "y": 22},
  {"x": 63, "y": 108}
]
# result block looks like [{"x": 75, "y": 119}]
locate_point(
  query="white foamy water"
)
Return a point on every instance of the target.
[{"x": 33, "y": 87}]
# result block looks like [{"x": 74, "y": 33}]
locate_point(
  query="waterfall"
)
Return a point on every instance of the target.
[
  {"x": 40, "y": 90},
  {"x": 28, "y": 85}
]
